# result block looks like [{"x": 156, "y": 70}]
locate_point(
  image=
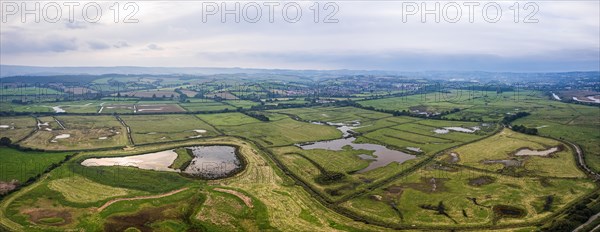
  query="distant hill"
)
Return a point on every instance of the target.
[
  {"x": 36, "y": 71},
  {"x": 18, "y": 70}
]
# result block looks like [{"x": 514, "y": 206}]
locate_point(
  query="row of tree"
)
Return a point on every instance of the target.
[
  {"x": 259, "y": 116},
  {"x": 525, "y": 130},
  {"x": 511, "y": 118}
]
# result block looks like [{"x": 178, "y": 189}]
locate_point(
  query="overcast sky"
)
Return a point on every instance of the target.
[{"x": 369, "y": 35}]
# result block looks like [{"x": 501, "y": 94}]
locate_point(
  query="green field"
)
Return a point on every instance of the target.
[
  {"x": 22, "y": 165},
  {"x": 84, "y": 132},
  {"x": 404, "y": 133},
  {"x": 205, "y": 106},
  {"x": 28, "y": 91},
  {"x": 241, "y": 103},
  {"x": 81, "y": 190},
  {"x": 430, "y": 102},
  {"x": 257, "y": 199},
  {"x": 489, "y": 106},
  {"x": 574, "y": 123},
  {"x": 504, "y": 145},
  {"x": 164, "y": 128},
  {"x": 405, "y": 200},
  {"x": 16, "y": 128},
  {"x": 227, "y": 119},
  {"x": 281, "y": 130},
  {"x": 10, "y": 107},
  {"x": 335, "y": 114},
  {"x": 67, "y": 106},
  {"x": 465, "y": 171},
  {"x": 286, "y": 101}
]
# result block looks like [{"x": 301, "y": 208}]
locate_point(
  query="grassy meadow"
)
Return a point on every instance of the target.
[
  {"x": 17, "y": 128},
  {"x": 464, "y": 171},
  {"x": 80, "y": 132},
  {"x": 164, "y": 128}
]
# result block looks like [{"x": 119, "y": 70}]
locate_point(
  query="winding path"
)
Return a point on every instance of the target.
[
  {"x": 107, "y": 204},
  {"x": 247, "y": 200}
]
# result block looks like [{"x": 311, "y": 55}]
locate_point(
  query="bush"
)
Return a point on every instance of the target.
[
  {"x": 525, "y": 130},
  {"x": 329, "y": 177},
  {"x": 5, "y": 141},
  {"x": 260, "y": 117}
]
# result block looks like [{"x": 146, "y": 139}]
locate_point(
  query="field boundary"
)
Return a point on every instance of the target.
[
  {"x": 32, "y": 132},
  {"x": 127, "y": 128}
]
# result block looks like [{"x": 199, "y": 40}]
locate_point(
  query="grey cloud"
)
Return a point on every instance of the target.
[
  {"x": 154, "y": 47},
  {"x": 97, "y": 45},
  {"x": 15, "y": 42},
  {"x": 75, "y": 24},
  {"x": 121, "y": 44}
]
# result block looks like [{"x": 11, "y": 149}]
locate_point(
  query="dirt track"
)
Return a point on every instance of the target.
[
  {"x": 247, "y": 200},
  {"x": 107, "y": 204}
]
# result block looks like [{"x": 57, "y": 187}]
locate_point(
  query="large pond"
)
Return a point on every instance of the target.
[
  {"x": 526, "y": 152},
  {"x": 158, "y": 161},
  {"x": 213, "y": 161},
  {"x": 209, "y": 162},
  {"x": 384, "y": 155}
]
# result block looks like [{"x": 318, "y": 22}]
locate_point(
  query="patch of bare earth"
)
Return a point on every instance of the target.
[
  {"x": 6, "y": 187},
  {"x": 36, "y": 216}
]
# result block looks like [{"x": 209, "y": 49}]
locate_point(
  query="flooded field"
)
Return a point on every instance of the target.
[
  {"x": 115, "y": 108},
  {"x": 415, "y": 149},
  {"x": 57, "y": 109},
  {"x": 590, "y": 99},
  {"x": 556, "y": 97},
  {"x": 61, "y": 136},
  {"x": 384, "y": 156},
  {"x": 199, "y": 135},
  {"x": 446, "y": 130},
  {"x": 157, "y": 108},
  {"x": 454, "y": 158},
  {"x": 526, "y": 152},
  {"x": 209, "y": 162}
]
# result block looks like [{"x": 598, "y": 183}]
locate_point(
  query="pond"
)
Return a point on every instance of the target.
[
  {"x": 213, "y": 162},
  {"x": 210, "y": 162},
  {"x": 157, "y": 161},
  {"x": 526, "y": 152},
  {"x": 556, "y": 97},
  {"x": 384, "y": 156},
  {"x": 57, "y": 109},
  {"x": 61, "y": 136},
  {"x": 446, "y": 130}
]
